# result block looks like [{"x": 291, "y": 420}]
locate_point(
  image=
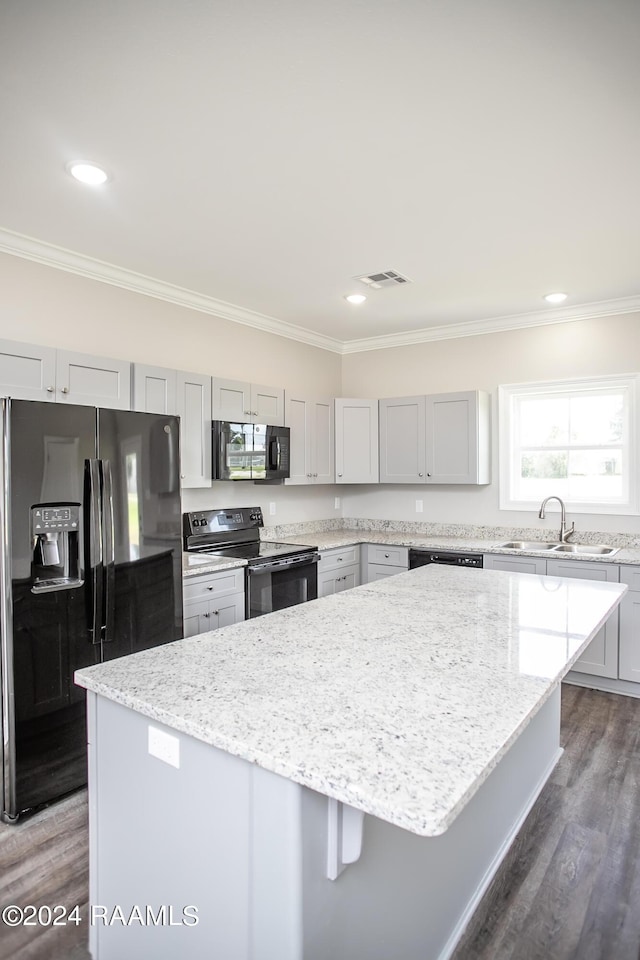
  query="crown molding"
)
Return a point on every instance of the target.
[
  {"x": 473, "y": 328},
  {"x": 50, "y": 255},
  {"x": 28, "y": 248}
]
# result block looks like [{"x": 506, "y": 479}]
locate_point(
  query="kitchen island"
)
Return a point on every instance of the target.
[{"x": 339, "y": 779}]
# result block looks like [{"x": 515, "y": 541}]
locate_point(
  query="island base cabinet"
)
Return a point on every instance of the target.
[{"x": 178, "y": 823}]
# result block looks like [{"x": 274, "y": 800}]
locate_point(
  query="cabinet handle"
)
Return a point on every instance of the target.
[
  {"x": 428, "y": 474},
  {"x": 50, "y": 389},
  {"x": 339, "y": 559},
  {"x": 315, "y": 474},
  {"x": 64, "y": 389},
  {"x": 387, "y": 556},
  {"x": 182, "y": 476},
  {"x": 248, "y": 412},
  {"x": 209, "y": 588},
  {"x": 420, "y": 474},
  {"x": 207, "y": 615},
  {"x": 217, "y": 612},
  {"x": 339, "y": 474}
]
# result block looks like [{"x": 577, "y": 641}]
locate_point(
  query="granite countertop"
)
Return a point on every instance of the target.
[
  {"x": 397, "y": 697},
  {"x": 194, "y": 564},
  {"x": 330, "y": 539}
]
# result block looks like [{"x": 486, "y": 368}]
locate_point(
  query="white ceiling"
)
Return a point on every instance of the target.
[{"x": 266, "y": 152}]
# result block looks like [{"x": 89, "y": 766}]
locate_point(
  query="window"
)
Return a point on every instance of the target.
[{"x": 575, "y": 439}]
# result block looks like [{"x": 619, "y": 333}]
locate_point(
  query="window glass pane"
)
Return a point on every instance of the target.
[
  {"x": 596, "y": 419},
  {"x": 544, "y": 421}
]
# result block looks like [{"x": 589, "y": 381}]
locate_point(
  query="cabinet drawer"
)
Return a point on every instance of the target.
[
  {"x": 216, "y": 585},
  {"x": 335, "y": 559},
  {"x": 631, "y": 576},
  {"x": 388, "y": 556}
]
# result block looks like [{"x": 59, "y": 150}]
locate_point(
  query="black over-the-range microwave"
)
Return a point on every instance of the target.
[{"x": 249, "y": 451}]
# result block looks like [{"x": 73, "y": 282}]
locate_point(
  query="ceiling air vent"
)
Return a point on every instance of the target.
[{"x": 386, "y": 278}]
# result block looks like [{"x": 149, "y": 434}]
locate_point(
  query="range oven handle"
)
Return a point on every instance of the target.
[{"x": 277, "y": 565}]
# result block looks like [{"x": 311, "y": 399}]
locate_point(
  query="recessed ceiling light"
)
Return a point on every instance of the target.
[
  {"x": 88, "y": 173},
  {"x": 355, "y": 298},
  {"x": 555, "y": 297}
]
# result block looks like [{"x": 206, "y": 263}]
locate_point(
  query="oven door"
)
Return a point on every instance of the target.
[{"x": 276, "y": 584}]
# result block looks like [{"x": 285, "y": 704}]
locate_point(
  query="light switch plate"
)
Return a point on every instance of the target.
[
  {"x": 272, "y": 509},
  {"x": 419, "y": 506}
]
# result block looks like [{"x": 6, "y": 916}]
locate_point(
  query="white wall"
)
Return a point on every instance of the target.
[
  {"x": 44, "y": 305},
  {"x": 591, "y": 347}
]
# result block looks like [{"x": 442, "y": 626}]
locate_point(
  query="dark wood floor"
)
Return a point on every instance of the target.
[{"x": 569, "y": 888}]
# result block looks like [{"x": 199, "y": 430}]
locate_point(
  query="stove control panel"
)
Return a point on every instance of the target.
[{"x": 200, "y": 523}]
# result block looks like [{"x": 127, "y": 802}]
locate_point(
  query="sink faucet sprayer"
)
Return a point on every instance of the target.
[{"x": 564, "y": 533}]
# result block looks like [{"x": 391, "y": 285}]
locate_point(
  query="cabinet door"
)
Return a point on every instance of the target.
[
  {"x": 356, "y": 431},
  {"x": 349, "y": 579},
  {"x": 601, "y": 656},
  {"x": 378, "y": 571},
  {"x": 322, "y": 445},
  {"x": 629, "y": 666},
  {"x": 154, "y": 389},
  {"x": 298, "y": 419},
  {"x": 193, "y": 402},
  {"x": 457, "y": 447},
  {"x": 231, "y": 400},
  {"x": 196, "y": 617},
  {"x": 96, "y": 381},
  {"x": 494, "y": 561},
  {"x": 228, "y": 611},
  {"x": 267, "y": 405},
  {"x": 402, "y": 440},
  {"x": 27, "y": 372},
  {"x": 327, "y": 584}
]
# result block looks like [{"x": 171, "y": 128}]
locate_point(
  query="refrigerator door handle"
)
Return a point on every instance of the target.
[
  {"x": 93, "y": 533},
  {"x": 108, "y": 552}
]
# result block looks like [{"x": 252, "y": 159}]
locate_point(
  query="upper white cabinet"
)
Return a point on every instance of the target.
[
  {"x": 239, "y": 401},
  {"x": 311, "y": 423},
  {"x": 154, "y": 389},
  {"x": 356, "y": 433},
  {"x": 441, "y": 438},
  {"x": 29, "y": 372},
  {"x": 193, "y": 404}
]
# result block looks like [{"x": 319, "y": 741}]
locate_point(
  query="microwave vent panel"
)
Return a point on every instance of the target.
[{"x": 385, "y": 278}]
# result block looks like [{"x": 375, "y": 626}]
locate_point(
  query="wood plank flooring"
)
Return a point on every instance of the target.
[{"x": 569, "y": 888}]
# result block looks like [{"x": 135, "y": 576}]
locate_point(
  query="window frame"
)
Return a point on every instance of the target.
[{"x": 506, "y": 446}]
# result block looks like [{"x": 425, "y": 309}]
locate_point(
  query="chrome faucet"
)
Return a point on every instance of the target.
[{"x": 564, "y": 533}]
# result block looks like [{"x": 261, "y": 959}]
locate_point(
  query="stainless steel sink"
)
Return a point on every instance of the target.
[
  {"x": 586, "y": 549},
  {"x": 528, "y": 545},
  {"x": 582, "y": 549}
]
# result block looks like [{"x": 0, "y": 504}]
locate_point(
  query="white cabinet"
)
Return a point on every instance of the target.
[
  {"x": 356, "y": 432},
  {"x": 338, "y": 570},
  {"x": 441, "y": 438},
  {"x": 403, "y": 440},
  {"x": 212, "y": 601},
  {"x": 494, "y": 561},
  {"x": 629, "y": 666},
  {"x": 154, "y": 389},
  {"x": 243, "y": 402},
  {"x": 311, "y": 423},
  {"x": 193, "y": 405},
  {"x": 29, "y": 372},
  {"x": 380, "y": 560},
  {"x": 601, "y": 656}
]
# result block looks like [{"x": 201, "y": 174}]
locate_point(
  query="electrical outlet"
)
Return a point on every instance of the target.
[
  {"x": 164, "y": 747},
  {"x": 419, "y": 506},
  {"x": 272, "y": 509},
  {"x": 336, "y": 503}
]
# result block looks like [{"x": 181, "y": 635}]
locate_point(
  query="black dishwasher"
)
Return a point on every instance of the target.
[{"x": 420, "y": 558}]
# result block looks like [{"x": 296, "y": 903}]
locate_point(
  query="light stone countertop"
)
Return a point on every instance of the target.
[
  {"x": 194, "y": 564},
  {"x": 397, "y": 697},
  {"x": 330, "y": 539}
]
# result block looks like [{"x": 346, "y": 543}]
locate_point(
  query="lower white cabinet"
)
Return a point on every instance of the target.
[
  {"x": 600, "y": 659},
  {"x": 213, "y": 600},
  {"x": 629, "y": 666},
  {"x": 494, "y": 561},
  {"x": 338, "y": 570},
  {"x": 380, "y": 560}
]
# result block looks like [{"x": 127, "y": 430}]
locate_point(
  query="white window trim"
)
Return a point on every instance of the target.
[{"x": 506, "y": 393}]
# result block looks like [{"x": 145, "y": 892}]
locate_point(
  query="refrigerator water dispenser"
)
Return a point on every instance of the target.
[{"x": 55, "y": 537}]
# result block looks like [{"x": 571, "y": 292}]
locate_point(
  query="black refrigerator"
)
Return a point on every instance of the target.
[{"x": 90, "y": 570}]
